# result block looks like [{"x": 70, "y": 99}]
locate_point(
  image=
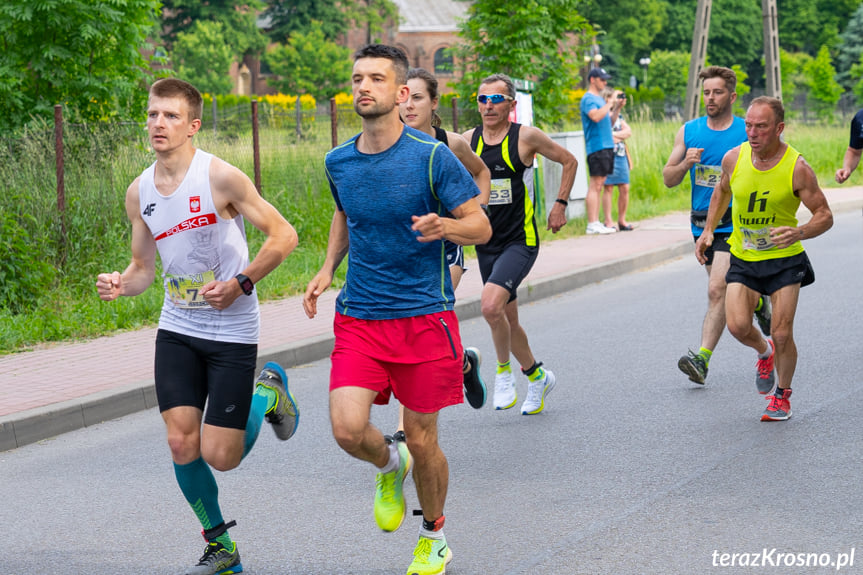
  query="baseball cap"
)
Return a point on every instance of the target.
[{"x": 599, "y": 73}]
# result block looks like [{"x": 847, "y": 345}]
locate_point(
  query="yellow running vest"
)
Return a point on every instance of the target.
[{"x": 762, "y": 200}]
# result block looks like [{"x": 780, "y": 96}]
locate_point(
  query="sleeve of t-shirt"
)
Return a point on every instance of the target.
[
  {"x": 452, "y": 183},
  {"x": 857, "y": 131},
  {"x": 334, "y": 190}
]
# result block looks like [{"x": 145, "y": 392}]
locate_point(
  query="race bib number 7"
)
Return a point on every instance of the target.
[
  {"x": 185, "y": 290},
  {"x": 501, "y": 192}
]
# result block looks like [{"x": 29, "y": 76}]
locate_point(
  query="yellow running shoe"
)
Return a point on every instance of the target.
[
  {"x": 431, "y": 557},
  {"x": 389, "y": 496}
]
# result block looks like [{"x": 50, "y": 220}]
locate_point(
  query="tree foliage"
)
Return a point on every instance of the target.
[
  {"x": 530, "y": 39},
  {"x": 203, "y": 57},
  {"x": 310, "y": 64},
  {"x": 824, "y": 91},
  {"x": 806, "y": 25},
  {"x": 850, "y": 48},
  {"x": 239, "y": 18},
  {"x": 84, "y": 54},
  {"x": 284, "y": 17}
]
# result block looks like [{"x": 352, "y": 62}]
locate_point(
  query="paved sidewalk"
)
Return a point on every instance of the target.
[{"x": 67, "y": 386}]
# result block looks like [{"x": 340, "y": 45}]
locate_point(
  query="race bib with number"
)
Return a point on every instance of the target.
[
  {"x": 501, "y": 192},
  {"x": 185, "y": 290},
  {"x": 756, "y": 239},
  {"x": 707, "y": 176}
]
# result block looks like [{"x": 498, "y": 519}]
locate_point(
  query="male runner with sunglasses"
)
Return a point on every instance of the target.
[{"x": 508, "y": 149}]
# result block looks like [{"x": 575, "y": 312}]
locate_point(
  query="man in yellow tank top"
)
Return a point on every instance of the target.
[{"x": 768, "y": 180}]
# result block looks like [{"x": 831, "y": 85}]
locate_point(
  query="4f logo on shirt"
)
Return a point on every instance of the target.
[
  {"x": 148, "y": 211},
  {"x": 757, "y": 199},
  {"x": 195, "y": 204}
]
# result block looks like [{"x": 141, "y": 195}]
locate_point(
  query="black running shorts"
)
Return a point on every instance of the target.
[
  {"x": 507, "y": 268},
  {"x": 767, "y": 276},
  {"x": 193, "y": 371}
]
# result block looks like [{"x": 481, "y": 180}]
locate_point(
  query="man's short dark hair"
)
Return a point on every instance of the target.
[
  {"x": 775, "y": 104},
  {"x": 727, "y": 75},
  {"x": 510, "y": 85},
  {"x": 395, "y": 55},
  {"x": 176, "y": 88}
]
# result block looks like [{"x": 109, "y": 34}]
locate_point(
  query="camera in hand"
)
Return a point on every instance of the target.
[{"x": 621, "y": 96}]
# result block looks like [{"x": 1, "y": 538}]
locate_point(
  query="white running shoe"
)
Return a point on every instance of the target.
[
  {"x": 536, "y": 392},
  {"x": 599, "y": 228},
  {"x": 505, "y": 395}
]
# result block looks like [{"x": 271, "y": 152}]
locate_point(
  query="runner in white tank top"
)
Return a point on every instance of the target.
[{"x": 191, "y": 207}]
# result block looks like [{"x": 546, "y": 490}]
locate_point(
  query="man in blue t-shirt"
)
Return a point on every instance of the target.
[
  {"x": 395, "y": 328},
  {"x": 598, "y": 115},
  {"x": 698, "y": 150},
  {"x": 855, "y": 149}
]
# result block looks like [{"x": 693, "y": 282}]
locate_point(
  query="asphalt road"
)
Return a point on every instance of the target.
[{"x": 631, "y": 469}]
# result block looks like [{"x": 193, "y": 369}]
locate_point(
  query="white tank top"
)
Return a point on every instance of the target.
[{"x": 196, "y": 245}]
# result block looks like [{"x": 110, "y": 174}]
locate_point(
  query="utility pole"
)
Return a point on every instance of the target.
[
  {"x": 771, "y": 49},
  {"x": 698, "y": 57}
]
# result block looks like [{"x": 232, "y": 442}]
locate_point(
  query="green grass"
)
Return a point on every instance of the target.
[{"x": 47, "y": 283}]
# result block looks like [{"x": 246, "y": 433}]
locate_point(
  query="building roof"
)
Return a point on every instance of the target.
[{"x": 430, "y": 15}]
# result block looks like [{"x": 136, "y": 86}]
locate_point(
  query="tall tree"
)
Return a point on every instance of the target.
[
  {"x": 77, "y": 52},
  {"x": 239, "y": 18},
  {"x": 530, "y": 39},
  {"x": 202, "y": 57},
  {"x": 371, "y": 15},
  {"x": 310, "y": 64},
  {"x": 630, "y": 27},
  {"x": 824, "y": 91},
  {"x": 284, "y": 17},
  {"x": 806, "y": 25},
  {"x": 850, "y": 49}
]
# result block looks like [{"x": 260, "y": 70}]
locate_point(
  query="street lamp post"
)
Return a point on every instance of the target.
[{"x": 645, "y": 62}]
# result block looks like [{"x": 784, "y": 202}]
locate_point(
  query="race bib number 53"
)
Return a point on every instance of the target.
[
  {"x": 185, "y": 290},
  {"x": 501, "y": 192}
]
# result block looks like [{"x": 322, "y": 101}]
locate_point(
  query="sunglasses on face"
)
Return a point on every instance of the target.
[{"x": 493, "y": 98}]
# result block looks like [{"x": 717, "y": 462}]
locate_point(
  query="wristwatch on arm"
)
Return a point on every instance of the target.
[{"x": 245, "y": 283}]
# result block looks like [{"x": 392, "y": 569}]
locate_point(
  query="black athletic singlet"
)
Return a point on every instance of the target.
[{"x": 510, "y": 208}]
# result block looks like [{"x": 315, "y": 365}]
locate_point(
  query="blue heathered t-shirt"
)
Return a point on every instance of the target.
[
  {"x": 390, "y": 274},
  {"x": 597, "y": 135},
  {"x": 704, "y": 176}
]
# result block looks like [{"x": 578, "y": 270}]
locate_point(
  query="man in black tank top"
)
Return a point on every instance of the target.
[{"x": 508, "y": 149}]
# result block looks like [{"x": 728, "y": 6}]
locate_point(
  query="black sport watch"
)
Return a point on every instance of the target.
[{"x": 245, "y": 283}]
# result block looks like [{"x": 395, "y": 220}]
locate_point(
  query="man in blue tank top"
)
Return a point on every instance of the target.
[{"x": 698, "y": 150}]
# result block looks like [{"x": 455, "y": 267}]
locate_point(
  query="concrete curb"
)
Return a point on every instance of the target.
[
  {"x": 30, "y": 426},
  {"x": 33, "y": 425}
]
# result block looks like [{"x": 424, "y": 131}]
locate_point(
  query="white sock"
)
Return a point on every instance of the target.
[
  {"x": 394, "y": 461},
  {"x": 431, "y": 534},
  {"x": 767, "y": 353}
]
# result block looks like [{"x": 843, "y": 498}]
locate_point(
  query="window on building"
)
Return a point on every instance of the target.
[{"x": 443, "y": 64}]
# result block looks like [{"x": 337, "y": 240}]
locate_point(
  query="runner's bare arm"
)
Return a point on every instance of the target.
[
  {"x": 337, "y": 249},
  {"x": 141, "y": 271},
  {"x": 807, "y": 189},
  {"x": 680, "y": 161}
]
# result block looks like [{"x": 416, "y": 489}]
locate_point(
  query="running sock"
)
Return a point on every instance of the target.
[
  {"x": 263, "y": 400},
  {"x": 504, "y": 367},
  {"x": 534, "y": 372},
  {"x": 706, "y": 354},
  {"x": 432, "y": 529},
  {"x": 767, "y": 353},
  {"x": 394, "y": 461},
  {"x": 199, "y": 487}
]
